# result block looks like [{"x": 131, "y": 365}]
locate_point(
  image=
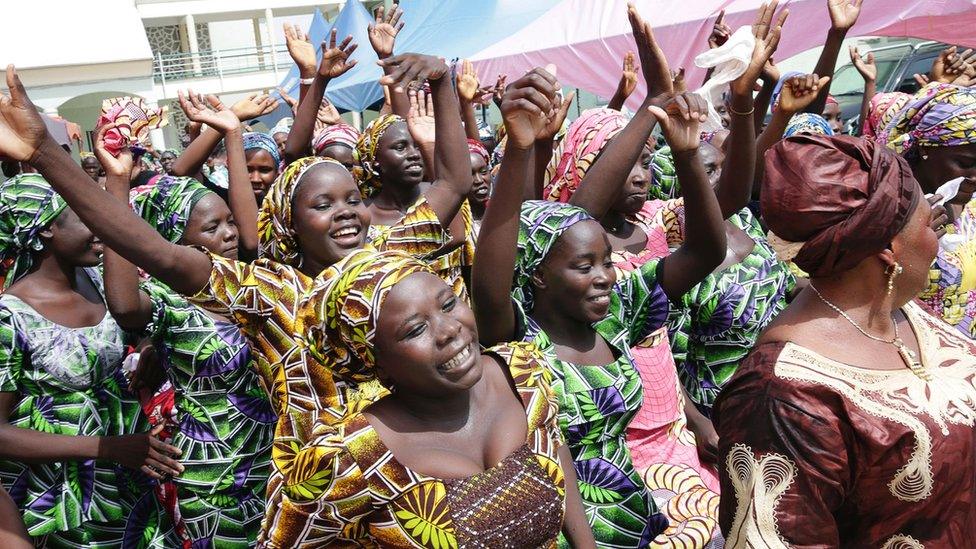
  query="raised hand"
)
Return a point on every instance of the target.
[
  {"x": 22, "y": 131},
  {"x": 771, "y": 72},
  {"x": 301, "y": 50},
  {"x": 657, "y": 73},
  {"x": 527, "y": 107},
  {"x": 120, "y": 166},
  {"x": 950, "y": 65},
  {"x": 940, "y": 217},
  {"x": 335, "y": 59},
  {"x": 720, "y": 32},
  {"x": 921, "y": 79},
  {"x": 420, "y": 119},
  {"x": 384, "y": 29},
  {"x": 289, "y": 100},
  {"x": 864, "y": 65},
  {"x": 628, "y": 77},
  {"x": 208, "y": 110},
  {"x": 843, "y": 13},
  {"x": 467, "y": 82},
  {"x": 680, "y": 119},
  {"x": 328, "y": 114},
  {"x": 499, "y": 89},
  {"x": 560, "y": 110},
  {"x": 767, "y": 34},
  {"x": 253, "y": 106},
  {"x": 799, "y": 91},
  {"x": 411, "y": 69}
]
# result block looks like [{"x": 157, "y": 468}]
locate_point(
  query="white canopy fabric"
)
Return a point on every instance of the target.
[{"x": 587, "y": 39}]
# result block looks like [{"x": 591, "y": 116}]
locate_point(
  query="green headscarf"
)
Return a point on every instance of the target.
[
  {"x": 28, "y": 205},
  {"x": 167, "y": 204}
]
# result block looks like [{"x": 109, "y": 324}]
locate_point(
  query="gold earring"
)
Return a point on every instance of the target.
[{"x": 893, "y": 272}]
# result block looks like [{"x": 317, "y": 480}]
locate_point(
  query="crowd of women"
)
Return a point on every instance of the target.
[{"x": 756, "y": 336}]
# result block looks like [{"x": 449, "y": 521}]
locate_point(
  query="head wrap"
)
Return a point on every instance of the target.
[
  {"x": 778, "y": 89},
  {"x": 336, "y": 134},
  {"x": 809, "y": 123},
  {"x": 940, "y": 115},
  {"x": 844, "y": 198},
  {"x": 831, "y": 100},
  {"x": 343, "y": 308},
  {"x": 263, "y": 141},
  {"x": 368, "y": 177},
  {"x": 133, "y": 118},
  {"x": 882, "y": 109},
  {"x": 276, "y": 235},
  {"x": 664, "y": 176},
  {"x": 475, "y": 147},
  {"x": 541, "y": 223},
  {"x": 576, "y": 152},
  {"x": 167, "y": 204},
  {"x": 28, "y": 205}
]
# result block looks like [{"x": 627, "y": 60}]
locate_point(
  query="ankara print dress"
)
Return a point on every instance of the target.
[
  {"x": 661, "y": 445},
  {"x": 225, "y": 424},
  {"x": 952, "y": 280},
  {"x": 69, "y": 381},
  {"x": 364, "y": 497},
  {"x": 818, "y": 453},
  {"x": 596, "y": 405}
]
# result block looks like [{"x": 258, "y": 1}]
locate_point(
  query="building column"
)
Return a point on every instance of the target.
[
  {"x": 272, "y": 44},
  {"x": 191, "y": 37}
]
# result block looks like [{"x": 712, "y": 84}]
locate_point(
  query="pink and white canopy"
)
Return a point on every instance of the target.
[{"x": 587, "y": 39}]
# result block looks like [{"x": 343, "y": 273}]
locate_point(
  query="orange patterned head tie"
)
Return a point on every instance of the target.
[
  {"x": 342, "y": 308},
  {"x": 133, "y": 117}
]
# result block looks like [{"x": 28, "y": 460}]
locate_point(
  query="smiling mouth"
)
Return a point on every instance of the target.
[
  {"x": 601, "y": 299},
  {"x": 458, "y": 359},
  {"x": 414, "y": 169},
  {"x": 348, "y": 235}
]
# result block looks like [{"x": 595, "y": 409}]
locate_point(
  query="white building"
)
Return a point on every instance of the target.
[{"x": 72, "y": 55}]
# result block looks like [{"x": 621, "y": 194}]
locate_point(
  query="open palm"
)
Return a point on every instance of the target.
[
  {"x": 21, "y": 128},
  {"x": 335, "y": 58},
  {"x": 383, "y": 31},
  {"x": 844, "y": 13}
]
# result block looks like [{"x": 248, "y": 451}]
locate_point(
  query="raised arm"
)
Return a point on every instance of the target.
[
  {"x": 734, "y": 188},
  {"x": 544, "y": 143},
  {"x": 129, "y": 306},
  {"x": 469, "y": 91},
  {"x": 422, "y": 125},
  {"x": 627, "y": 84},
  {"x": 603, "y": 180},
  {"x": 704, "y": 246},
  {"x": 195, "y": 156},
  {"x": 719, "y": 36},
  {"x": 302, "y": 52},
  {"x": 335, "y": 63},
  {"x": 382, "y": 36},
  {"x": 240, "y": 195},
  {"x": 452, "y": 164},
  {"x": 525, "y": 107},
  {"x": 869, "y": 71},
  {"x": 843, "y": 15},
  {"x": 797, "y": 93},
  {"x": 770, "y": 77},
  {"x": 24, "y": 137}
]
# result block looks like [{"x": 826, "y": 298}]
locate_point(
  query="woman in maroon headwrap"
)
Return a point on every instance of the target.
[{"x": 851, "y": 422}]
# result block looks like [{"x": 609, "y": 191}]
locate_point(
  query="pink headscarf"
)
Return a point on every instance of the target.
[
  {"x": 475, "y": 147},
  {"x": 881, "y": 111},
  {"x": 576, "y": 152},
  {"x": 336, "y": 134}
]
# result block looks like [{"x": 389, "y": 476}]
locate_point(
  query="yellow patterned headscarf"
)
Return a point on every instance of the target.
[
  {"x": 340, "y": 313},
  {"x": 939, "y": 115},
  {"x": 276, "y": 235},
  {"x": 366, "y": 174}
]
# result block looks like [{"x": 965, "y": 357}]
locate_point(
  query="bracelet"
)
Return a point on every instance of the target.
[
  {"x": 735, "y": 112},
  {"x": 306, "y": 81}
]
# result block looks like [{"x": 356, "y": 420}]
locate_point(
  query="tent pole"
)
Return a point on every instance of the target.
[{"x": 578, "y": 111}]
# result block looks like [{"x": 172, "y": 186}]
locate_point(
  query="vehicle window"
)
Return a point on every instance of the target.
[
  {"x": 847, "y": 81},
  {"x": 920, "y": 65}
]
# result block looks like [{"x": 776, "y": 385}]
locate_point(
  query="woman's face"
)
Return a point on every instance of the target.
[
  {"x": 167, "y": 159},
  {"x": 712, "y": 159},
  {"x": 91, "y": 167},
  {"x": 280, "y": 139},
  {"x": 261, "y": 170},
  {"x": 937, "y": 165},
  {"x": 398, "y": 158},
  {"x": 480, "y": 188},
  {"x": 834, "y": 118},
  {"x": 426, "y": 339},
  {"x": 915, "y": 248},
  {"x": 212, "y": 226},
  {"x": 577, "y": 276},
  {"x": 340, "y": 153},
  {"x": 633, "y": 194},
  {"x": 72, "y": 242},
  {"x": 328, "y": 214}
]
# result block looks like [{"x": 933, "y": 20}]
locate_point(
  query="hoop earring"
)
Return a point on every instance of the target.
[{"x": 893, "y": 272}]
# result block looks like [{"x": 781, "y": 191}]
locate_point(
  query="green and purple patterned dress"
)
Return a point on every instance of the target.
[
  {"x": 719, "y": 320},
  {"x": 69, "y": 381},
  {"x": 597, "y": 402},
  {"x": 225, "y": 424}
]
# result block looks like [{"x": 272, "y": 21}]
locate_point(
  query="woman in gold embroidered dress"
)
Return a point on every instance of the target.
[{"x": 851, "y": 422}]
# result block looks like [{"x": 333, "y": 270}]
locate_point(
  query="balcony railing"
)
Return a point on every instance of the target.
[{"x": 219, "y": 63}]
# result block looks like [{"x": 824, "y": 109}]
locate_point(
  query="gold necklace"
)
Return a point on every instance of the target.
[{"x": 907, "y": 355}]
